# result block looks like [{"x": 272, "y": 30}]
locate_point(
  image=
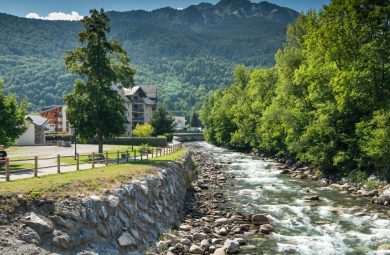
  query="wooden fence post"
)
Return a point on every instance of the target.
[
  {"x": 58, "y": 163},
  {"x": 36, "y": 166},
  {"x": 77, "y": 161},
  {"x": 106, "y": 158},
  {"x": 127, "y": 156},
  {"x": 117, "y": 157},
  {"x": 93, "y": 159},
  {"x": 7, "y": 169}
]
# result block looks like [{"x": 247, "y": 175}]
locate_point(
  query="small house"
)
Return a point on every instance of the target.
[{"x": 35, "y": 132}]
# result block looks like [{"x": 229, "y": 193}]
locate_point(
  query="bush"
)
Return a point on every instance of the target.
[
  {"x": 143, "y": 130},
  {"x": 357, "y": 177},
  {"x": 169, "y": 137},
  {"x": 137, "y": 141}
]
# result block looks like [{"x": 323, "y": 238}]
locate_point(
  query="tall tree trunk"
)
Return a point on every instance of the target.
[{"x": 100, "y": 139}]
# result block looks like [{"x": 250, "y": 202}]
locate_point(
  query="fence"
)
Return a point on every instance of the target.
[{"x": 58, "y": 163}]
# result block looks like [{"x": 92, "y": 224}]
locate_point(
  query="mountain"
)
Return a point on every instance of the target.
[{"x": 187, "y": 53}]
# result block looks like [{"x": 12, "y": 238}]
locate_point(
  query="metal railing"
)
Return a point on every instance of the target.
[{"x": 58, "y": 163}]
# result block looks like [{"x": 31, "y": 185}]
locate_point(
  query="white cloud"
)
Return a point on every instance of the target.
[{"x": 56, "y": 16}]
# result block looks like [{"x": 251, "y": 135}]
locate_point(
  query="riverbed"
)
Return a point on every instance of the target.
[{"x": 336, "y": 224}]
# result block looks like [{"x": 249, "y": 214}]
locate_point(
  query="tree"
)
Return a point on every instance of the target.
[
  {"x": 195, "y": 121},
  {"x": 162, "y": 121},
  {"x": 94, "y": 108},
  {"x": 143, "y": 130},
  {"x": 12, "y": 117}
]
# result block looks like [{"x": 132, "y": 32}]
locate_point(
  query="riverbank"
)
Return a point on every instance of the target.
[
  {"x": 378, "y": 195},
  {"x": 209, "y": 226},
  {"x": 124, "y": 218}
]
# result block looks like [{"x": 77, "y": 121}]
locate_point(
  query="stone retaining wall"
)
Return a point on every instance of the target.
[{"x": 126, "y": 220}]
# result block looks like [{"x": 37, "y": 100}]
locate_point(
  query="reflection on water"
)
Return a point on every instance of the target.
[{"x": 337, "y": 224}]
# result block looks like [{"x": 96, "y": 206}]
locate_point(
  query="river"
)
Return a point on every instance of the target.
[{"x": 338, "y": 223}]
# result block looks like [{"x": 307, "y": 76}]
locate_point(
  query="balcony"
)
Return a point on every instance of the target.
[
  {"x": 138, "y": 111},
  {"x": 138, "y": 119}
]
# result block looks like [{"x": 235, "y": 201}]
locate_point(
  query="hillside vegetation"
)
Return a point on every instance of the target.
[
  {"x": 187, "y": 53},
  {"x": 325, "y": 102}
]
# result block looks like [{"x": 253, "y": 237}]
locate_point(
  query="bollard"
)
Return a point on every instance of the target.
[
  {"x": 117, "y": 158},
  {"x": 135, "y": 155},
  {"x": 36, "y": 166},
  {"x": 77, "y": 162},
  {"x": 106, "y": 158},
  {"x": 58, "y": 163},
  {"x": 127, "y": 156},
  {"x": 93, "y": 159},
  {"x": 7, "y": 169}
]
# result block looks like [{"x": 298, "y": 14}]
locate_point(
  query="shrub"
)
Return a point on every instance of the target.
[
  {"x": 169, "y": 137},
  {"x": 137, "y": 141},
  {"x": 143, "y": 130},
  {"x": 357, "y": 176}
]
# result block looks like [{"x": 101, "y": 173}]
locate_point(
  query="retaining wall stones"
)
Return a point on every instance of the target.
[{"x": 126, "y": 220}]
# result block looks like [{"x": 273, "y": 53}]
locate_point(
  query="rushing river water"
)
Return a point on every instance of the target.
[{"x": 337, "y": 224}]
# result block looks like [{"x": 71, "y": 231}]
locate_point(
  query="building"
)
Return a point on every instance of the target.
[
  {"x": 140, "y": 103},
  {"x": 180, "y": 123},
  {"x": 35, "y": 132},
  {"x": 56, "y": 114}
]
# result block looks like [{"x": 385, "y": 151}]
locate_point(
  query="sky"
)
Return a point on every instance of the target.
[{"x": 76, "y": 9}]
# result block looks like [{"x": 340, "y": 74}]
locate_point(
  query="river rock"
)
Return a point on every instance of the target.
[
  {"x": 259, "y": 219},
  {"x": 185, "y": 227},
  {"x": 223, "y": 231},
  {"x": 266, "y": 228},
  {"x": 199, "y": 236},
  {"x": 219, "y": 251},
  {"x": 231, "y": 246},
  {"x": 312, "y": 198},
  {"x": 285, "y": 171},
  {"x": 39, "y": 223},
  {"x": 195, "y": 249},
  {"x": 222, "y": 221}
]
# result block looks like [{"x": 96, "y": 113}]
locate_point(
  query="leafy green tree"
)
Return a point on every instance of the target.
[
  {"x": 326, "y": 100},
  {"x": 143, "y": 130},
  {"x": 94, "y": 108},
  {"x": 162, "y": 121},
  {"x": 12, "y": 117},
  {"x": 195, "y": 121}
]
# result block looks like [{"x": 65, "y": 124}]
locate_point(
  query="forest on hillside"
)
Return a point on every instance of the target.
[
  {"x": 326, "y": 101},
  {"x": 186, "y": 53}
]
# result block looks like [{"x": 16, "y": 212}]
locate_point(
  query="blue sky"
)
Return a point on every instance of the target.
[{"x": 45, "y": 7}]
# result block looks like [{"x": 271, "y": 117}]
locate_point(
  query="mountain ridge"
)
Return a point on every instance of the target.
[{"x": 187, "y": 53}]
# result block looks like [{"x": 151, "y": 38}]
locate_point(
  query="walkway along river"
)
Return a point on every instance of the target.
[{"x": 336, "y": 224}]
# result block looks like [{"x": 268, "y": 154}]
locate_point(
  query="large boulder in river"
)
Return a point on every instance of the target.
[{"x": 258, "y": 219}]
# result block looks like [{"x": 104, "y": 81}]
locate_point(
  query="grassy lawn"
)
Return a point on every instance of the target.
[
  {"x": 112, "y": 155},
  {"x": 87, "y": 182}
]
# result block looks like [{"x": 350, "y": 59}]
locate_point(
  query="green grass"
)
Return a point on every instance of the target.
[
  {"x": 164, "y": 158},
  {"x": 90, "y": 180}
]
